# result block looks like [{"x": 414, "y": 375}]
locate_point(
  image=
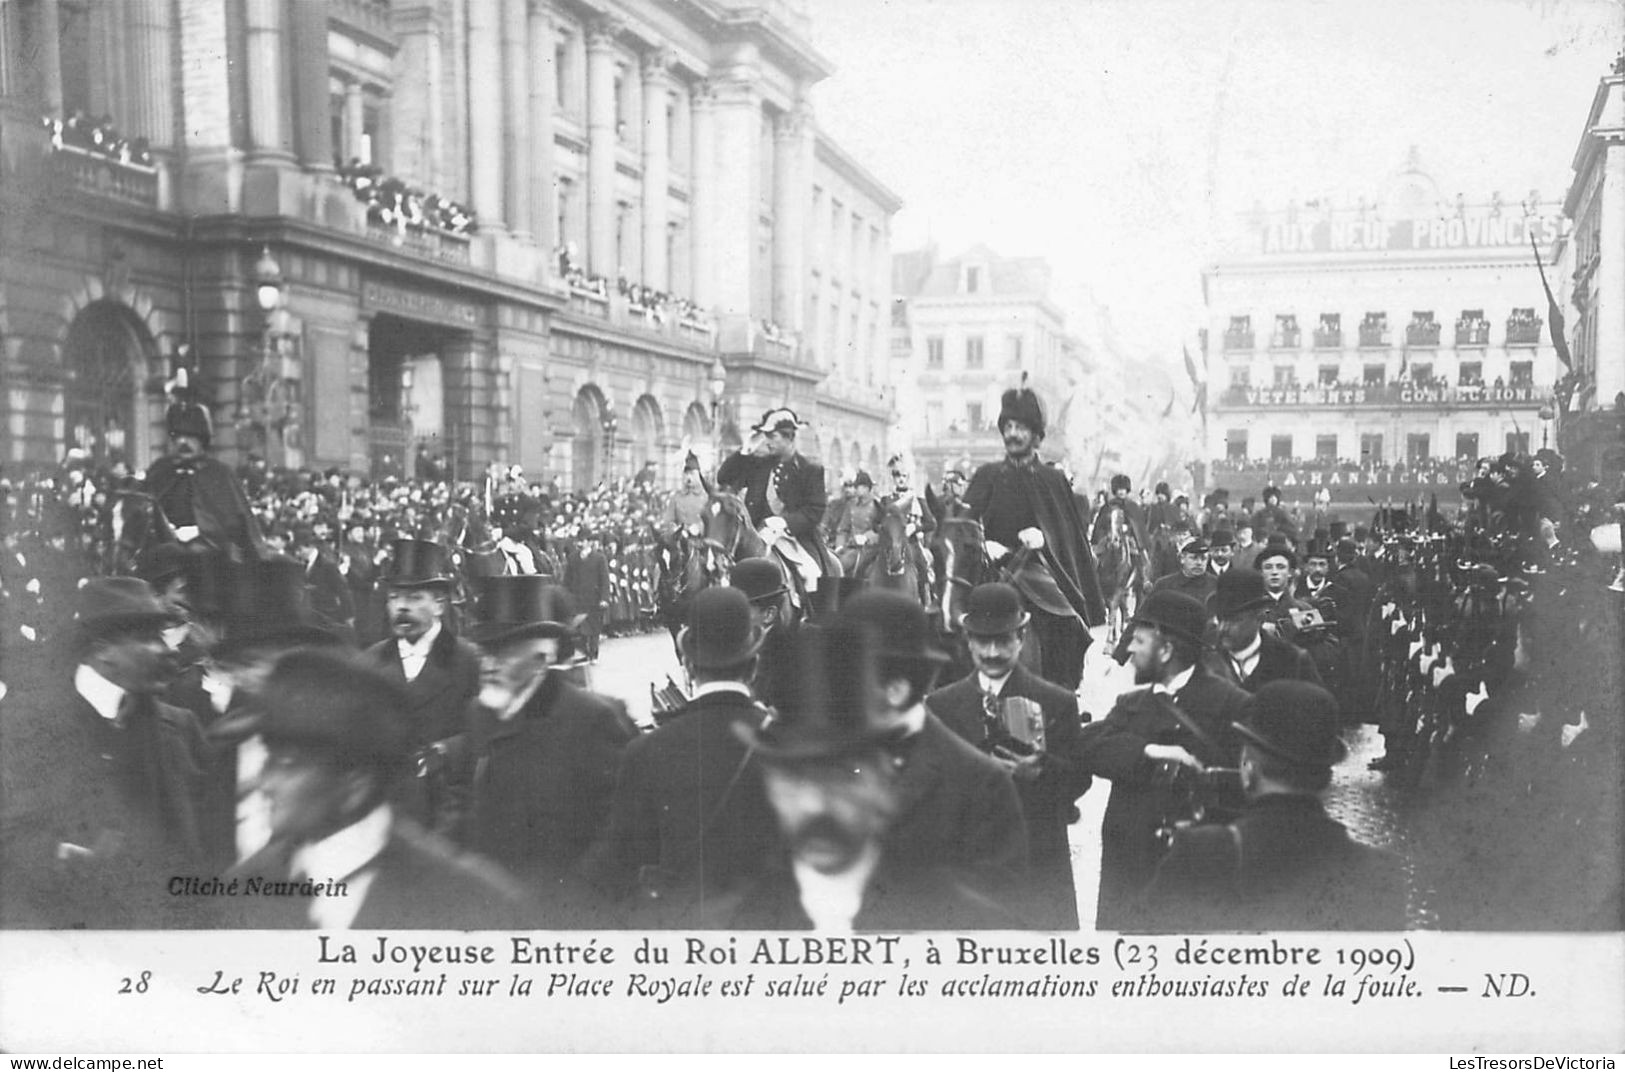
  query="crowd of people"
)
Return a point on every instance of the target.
[
  {"x": 99, "y": 136},
  {"x": 395, "y": 204},
  {"x": 367, "y": 700}
]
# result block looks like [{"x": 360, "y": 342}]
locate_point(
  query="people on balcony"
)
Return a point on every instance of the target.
[
  {"x": 393, "y": 203},
  {"x": 98, "y": 136}
]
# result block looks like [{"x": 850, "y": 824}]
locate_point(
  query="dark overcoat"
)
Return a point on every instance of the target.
[
  {"x": 1066, "y": 548},
  {"x": 1141, "y": 801},
  {"x": 799, "y": 484},
  {"x": 1048, "y": 803},
  {"x": 1277, "y": 661},
  {"x": 436, "y": 703},
  {"x": 210, "y": 492}
]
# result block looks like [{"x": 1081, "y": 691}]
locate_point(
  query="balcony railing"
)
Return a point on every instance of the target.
[
  {"x": 1328, "y": 338},
  {"x": 1374, "y": 335},
  {"x": 428, "y": 243},
  {"x": 1472, "y": 333},
  {"x": 1385, "y": 394},
  {"x": 1422, "y": 334},
  {"x": 1238, "y": 340},
  {"x": 1524, "y": 332},
  {"x": 93, "y": 173},
  {"x": 1289, "y": 339},
  {"x": 592, "y": 301}
]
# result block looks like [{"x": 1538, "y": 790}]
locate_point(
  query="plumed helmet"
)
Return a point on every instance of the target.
[
  {"x": 189, "y": 419},
  {"x": 1021, "y": 404}
]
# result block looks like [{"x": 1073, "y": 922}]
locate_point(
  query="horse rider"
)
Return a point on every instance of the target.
[
  {"x": 198, "y": 496},
  {"x": 785, "y": 496},
  {"x": 918, "y": 520},
  {"x": 1135, "y": 514},
  {"x": 856, "y": 533},
  {"x": 685, "y": 512},
  {"x": 1027, "y": 505}
]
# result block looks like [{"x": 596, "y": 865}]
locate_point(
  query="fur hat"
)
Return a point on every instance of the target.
[
  {"x": 1121, "y": 482},
  {"x": 189, "y": 419},
  {"x": 1021, "y": 404}
]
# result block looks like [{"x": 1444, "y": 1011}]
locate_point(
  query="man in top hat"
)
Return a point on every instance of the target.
[
  {"x": 688, "y": 807},
  {"x": 956, "y": 807},
  {"x": 104, "y": 782},
  {"x": 340, "y": 856},
  {"x": 535, "y": 770},
  {"x": 1029, "y": 726},
  {"x": 438, "y": 673},
  {"x": 1283, "y": 864},
  {"x": 198, "y": 497},
  {"x": 330, "y": 596},
  {"x": 1035, "y": 530},
  {"x": 1246, "y": 655},
  {"x": 1272, "y": 518},
  {"x": 836, "y": 792},
  {"x": 855, "y": 533},
  {"x": 586, "y": 575},
  {"x": 1155, "y": 747},
  {"x": 784, "y": 493}
]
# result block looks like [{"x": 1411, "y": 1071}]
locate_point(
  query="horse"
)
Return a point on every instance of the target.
[
  {"x": 688, "y": 562},
  {"x": 963, "y": 547},
  {"x": 1123, "y": 567},
  {"x": 891, "y": 566}
]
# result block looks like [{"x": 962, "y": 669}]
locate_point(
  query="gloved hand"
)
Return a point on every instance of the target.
[
  {"x": 996, "y": 551},
  {"x": 776, "y": 527},
  {"x": 1031, "y": 538}
]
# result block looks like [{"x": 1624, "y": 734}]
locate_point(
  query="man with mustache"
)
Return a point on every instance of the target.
[
  {"x": 198, "y": 497},
  {"x": 440, "y": 672},
  {"x": 1035, "y": 531}
]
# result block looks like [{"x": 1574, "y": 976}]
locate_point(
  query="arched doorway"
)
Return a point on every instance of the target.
[
  {"x": 647, "y": 433},
  {"x": 102, "y": 359},
  {"x": 406, "y": 398},
  {"x": 856, "y": 461},
  {"x": 589, "y": 446},
  {"x": 834, "y": 461}
]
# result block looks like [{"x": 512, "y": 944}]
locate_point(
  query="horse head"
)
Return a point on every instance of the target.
[
  {"x": 964, "y": 565},
  {"x": 891, "y": 532}
]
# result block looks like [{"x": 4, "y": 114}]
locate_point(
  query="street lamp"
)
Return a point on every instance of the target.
[
  {"x": 267, "y": 284},
  {"x": 265, "y": 388},
  {"x": 1546, "y": 415},
  {"x": 718, "y": 384}
]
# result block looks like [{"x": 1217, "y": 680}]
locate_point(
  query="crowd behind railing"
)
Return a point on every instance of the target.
[
  {"x": 395, "y": 204},
  {"x": 100, "y": 137}
]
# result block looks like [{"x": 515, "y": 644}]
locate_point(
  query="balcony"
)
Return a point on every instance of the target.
[
  {"x": 1238, "y": 340},
  {"x": 432, "y": 244},
  {"x": 1328, "y": 338},
  {"x": 102, "y": 176},
  {"x": 1472, "y": 333},
  {"x": 592, "y": 300},
  {"x": 1524, "y": 331},
  {"x": 1385, "y": 395},
  {"x": 1422, "y": 334},
  {"x": 1287, "y": 339},
  {"x": 1374, "y": 336}
]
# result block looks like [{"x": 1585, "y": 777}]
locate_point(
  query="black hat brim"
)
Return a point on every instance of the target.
[
  {"x": 1340, "y": 750},
  {"x": 491, "y": 635},
  {"x": 972, "y": 628},
  {"x": 715, "y": 661}
]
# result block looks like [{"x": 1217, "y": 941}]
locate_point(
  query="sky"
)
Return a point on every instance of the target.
[{"x": 1122, "y": 139}]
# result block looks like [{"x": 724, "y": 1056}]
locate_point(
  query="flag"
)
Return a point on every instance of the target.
[
  {"x": 1200, "y": 405},
  {"x": 1170, "y": 407},
  {"x": 1404, "y": 363},
  {"x": 1190, "y": 368},
  {"x": 1554, "y": 314}
]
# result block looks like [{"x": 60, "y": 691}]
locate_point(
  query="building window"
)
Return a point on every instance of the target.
[
  {"x": 1326, "y": 448},
  {"x": 1287, "y": 336},
  {"x": 973, "y": 280},
  {"x": 1240, "y": 377},
  {"x": 973, "y": 416},
  {"x": 1012, "y": 352},
  {"x": 1517, "y": 442},
  {"x": 1523, "y": 328},
  {"x": 1371, "y": 448},
  {"x": 933, "y": 352},
  {"x": 1423, "y": 330},
  {"x": 933, "y": 418},
  {"x": 1375, "y": 375},
  {"x": 1280, "y": 448},
  {"x": 1374, "y": 330},
  {"x": 1472, "y": 329},
  {"x": 1235, "y": 444},
  {"x": 1416, "y": 448},
  {"x": 1422, "y": 372},
  {"x": 561, "y": 75},
  {"x": 1239, "y": 335},
  {"x": 1328, "y": 376},
  {"x": 1286, "y": 376},
  {"x": 1471, "y": 375},
  {"x": 1467, "y": 445},
  {"x": 1329, "y": 335},
  {"x": 1523, "y": 373},
  {"x": 973, "y": 352}
]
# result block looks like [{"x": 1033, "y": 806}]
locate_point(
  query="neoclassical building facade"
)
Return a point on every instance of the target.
[{"x": 568, "y": 235}]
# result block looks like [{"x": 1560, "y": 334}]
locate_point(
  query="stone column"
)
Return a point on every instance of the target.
[
  {"x": 601, "y": 147},
  {"x": 307, "y": 42},
  {"x": 263, "y": 30},
  {"x": 543, "y": 83},
  {"x": 702, "y": 177},
  {"x": 50, "y": 56},
  {"x": 790, "y": 192},
  {"x": 656, "y": 166},
  {"x": 738, "y": 199},
  {"x": 516, "y": 126},
  {"x": 1610, "y": 341},
  {"x": 485, "y": 114},
  {"x": 355, "y": 117},
  {"x": 416, "y": 106},
  {"x": 152, "y": 80}
]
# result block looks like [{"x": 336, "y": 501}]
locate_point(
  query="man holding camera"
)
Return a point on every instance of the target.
[
  {"x": 1030, "y": 727},
  {"x": 1157, "y": 747}
]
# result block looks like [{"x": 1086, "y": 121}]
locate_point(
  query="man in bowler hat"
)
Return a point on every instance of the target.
[
  {"x": 340, "y": 856},
  {"x": 1154, "y": 747},
  {"x": 104, "y": 784},
  {"x": 535, "y": 769},
  {"x": 1247, "y": 655},
  {"x": 688, "y": 808},
  {"x": 1031, "y": 728},
  {"x": 1283, "y": 864},
  {"x": 439, "y": 672}
]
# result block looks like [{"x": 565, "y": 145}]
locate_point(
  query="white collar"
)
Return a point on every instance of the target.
[
  {"x": 1250, "y": 651},
  {"x": 712, "y": 688},
  {"x": 832, "y": 902},
  {"x": 98, "y": 692},
  {"x": 1177, "y": 682},
  {"x": 995, "y": 685},
  {"x": 340, "y": 855},
  {"x": 912, "y": 721},
  {"x": 419, "y": 649}
]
